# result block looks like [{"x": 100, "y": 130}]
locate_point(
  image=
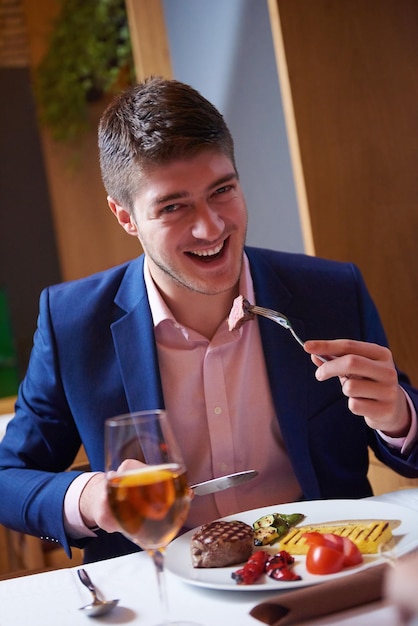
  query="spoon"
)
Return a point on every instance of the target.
[{"x": 97, "y": 607}]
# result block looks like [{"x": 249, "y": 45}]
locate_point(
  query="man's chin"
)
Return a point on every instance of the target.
[
  {"x": 216, "y": 289},
  {"x": 201, "y": 280}
]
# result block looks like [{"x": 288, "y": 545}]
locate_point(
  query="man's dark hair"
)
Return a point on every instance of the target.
[{"x": 151, "y": 124}]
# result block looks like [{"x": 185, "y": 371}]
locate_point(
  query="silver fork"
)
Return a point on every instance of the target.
[{"x": 279, "y": 318}]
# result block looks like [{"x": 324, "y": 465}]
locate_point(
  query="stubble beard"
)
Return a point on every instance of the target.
[{"x": 196, "y": 286}]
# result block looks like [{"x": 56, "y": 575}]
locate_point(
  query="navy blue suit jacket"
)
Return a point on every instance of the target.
[{"x": 94, "y": 357}]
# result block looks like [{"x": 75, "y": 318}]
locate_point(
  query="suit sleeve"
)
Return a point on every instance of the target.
[
  {"x": 40, "y": 443},
  {"x": 405, "y": 464}
]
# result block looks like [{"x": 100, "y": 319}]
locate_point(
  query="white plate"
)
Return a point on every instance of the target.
[{"x": 178, "y": 559}]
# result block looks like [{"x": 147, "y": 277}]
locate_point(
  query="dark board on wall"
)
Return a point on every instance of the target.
[{"x": 28, "y": 255}]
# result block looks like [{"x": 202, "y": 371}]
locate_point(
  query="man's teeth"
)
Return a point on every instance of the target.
[{"x": 208, "y": 252}]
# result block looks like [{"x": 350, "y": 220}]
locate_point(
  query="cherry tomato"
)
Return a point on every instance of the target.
[
  {"x": 334, "y": 541},
  {"x": 322, "y": 559},
  {"x": 315, "y": 539},
  {"x": 352, "y": 555}
]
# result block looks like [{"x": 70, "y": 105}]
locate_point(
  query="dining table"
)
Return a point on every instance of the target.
[
  {"x": 53, "y": 598},
  {"x": 4, "y": 420}
]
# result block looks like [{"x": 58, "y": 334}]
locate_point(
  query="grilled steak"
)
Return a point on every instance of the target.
[{"x": 219, "y": 544}]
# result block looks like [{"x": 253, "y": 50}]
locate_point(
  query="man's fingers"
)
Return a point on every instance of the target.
[{"x": 341, "y": 347}]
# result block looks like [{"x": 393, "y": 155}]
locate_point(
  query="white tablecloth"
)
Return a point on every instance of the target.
[
  {"x": 53, "y": 598},
  {"x": 4, "y": 420}
]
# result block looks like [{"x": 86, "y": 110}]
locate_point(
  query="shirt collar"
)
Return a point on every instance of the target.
[{"x": 159, "y": 309}]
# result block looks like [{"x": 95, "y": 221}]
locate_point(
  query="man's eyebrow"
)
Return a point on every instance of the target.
[
  {"x": 226, "y": 178},
  {"x": 169, "y": 197},
  {"x": 178, "y": 195}
]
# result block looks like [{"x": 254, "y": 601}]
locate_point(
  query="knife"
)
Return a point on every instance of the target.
[{"x": 223, "y": 482}]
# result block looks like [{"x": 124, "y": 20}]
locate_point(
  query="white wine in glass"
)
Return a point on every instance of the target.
[{"x": 147, "y": 486}]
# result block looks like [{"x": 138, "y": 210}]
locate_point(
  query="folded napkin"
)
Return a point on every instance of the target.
[{"x": 326, "y": 598}]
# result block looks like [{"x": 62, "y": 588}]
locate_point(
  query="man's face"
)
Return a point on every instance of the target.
[{"x": 191, "y": 219}]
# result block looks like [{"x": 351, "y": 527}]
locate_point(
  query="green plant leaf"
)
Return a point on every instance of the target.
[{"x": 88, "y": 51}]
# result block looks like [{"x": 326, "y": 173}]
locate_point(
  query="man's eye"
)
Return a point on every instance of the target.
[
  {"x": 223, "y": 189},
  {"x": 170, "y": 208}
]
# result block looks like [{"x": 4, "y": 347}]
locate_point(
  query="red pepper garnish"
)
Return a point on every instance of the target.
[
  {"x": 276, "y": 566},
  {"x": 279, "y": 560},
  {"x": 252, "y": 570},
  {"x": 283, "y": 573}
]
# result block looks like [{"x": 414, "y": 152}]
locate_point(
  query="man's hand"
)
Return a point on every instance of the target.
[
  {"x": 94, "y": 506},
  {"x": 369, "y": 380}
]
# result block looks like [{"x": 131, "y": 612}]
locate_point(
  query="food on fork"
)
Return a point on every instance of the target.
[
  {"x": 370, "y": 537},
  {"x": 221, "y": 543},
  {"x": 240, "y": 313}
]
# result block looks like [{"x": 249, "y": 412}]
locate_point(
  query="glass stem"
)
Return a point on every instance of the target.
[{"x": 158, "y": 558}]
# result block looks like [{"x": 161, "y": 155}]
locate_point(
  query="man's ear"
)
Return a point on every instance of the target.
[{"x": 123, "y": 216}]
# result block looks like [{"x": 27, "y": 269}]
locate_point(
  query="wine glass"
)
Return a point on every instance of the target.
[{"x": 147, "y": 485}]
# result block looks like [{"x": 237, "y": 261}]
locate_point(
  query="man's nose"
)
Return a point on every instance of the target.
[{"x": 208, "y": 224}]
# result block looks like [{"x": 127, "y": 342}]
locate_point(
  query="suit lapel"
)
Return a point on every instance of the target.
[
  {"x": 289, "y": 369},
  {"x": 133, "y": 336}
]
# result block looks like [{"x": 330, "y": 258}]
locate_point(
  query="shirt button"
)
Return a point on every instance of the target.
[{"x": 217, "y": 410}]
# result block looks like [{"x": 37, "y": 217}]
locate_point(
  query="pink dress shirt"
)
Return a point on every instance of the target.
[{"x": 218, "y": 398}]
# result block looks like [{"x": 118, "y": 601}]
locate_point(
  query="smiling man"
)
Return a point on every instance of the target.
[
  {"x": 190, "y": 218},
  {"x": 153, "y": 333}
]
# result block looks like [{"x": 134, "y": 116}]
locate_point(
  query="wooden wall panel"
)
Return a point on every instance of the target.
[
  {"x": 149, "y": 38},
  {"x": 88, "y": 236},
  {"x": 352, "y": 68},
  {"x": 348, "y": 71}
]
